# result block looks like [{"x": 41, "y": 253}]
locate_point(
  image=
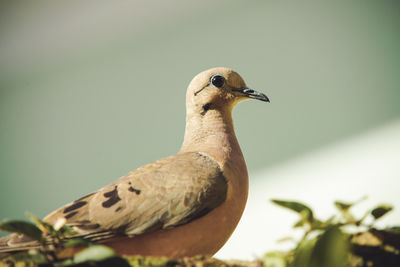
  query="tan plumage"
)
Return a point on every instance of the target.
[{"x": 182, "y": 205}]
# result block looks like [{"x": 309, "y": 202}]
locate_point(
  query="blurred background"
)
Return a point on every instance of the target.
[{"x": 90, "y": 90}]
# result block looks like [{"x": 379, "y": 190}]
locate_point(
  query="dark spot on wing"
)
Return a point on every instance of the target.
[
  {"x": 74, "y": 206},
  {"x": 87, "y": 225},
  {"x": 118, "y": 209},
  {"x": 82, "y": 198},
  {"x": 134, "y": 190},
  {"x": 69, "y": 215},
  {"x": 113, "y": 198},
  {"x": 121, "y": 229}
]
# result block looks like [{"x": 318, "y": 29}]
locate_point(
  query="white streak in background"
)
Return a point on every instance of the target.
[{"x": 368, "y": 164}]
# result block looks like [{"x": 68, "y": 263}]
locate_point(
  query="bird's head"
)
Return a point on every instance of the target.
[{"x": 218, "y": 89}]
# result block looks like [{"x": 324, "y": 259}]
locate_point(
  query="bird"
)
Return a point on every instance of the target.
[{"x": 183, "y": 205}]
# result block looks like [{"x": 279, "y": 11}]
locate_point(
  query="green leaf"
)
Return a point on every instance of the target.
[
  {"x": 26, "y": 228},
  {"x": 345, "y": 206},
  {"x": 94, "y": 253},
  {"x": 274, "y": 259},
  {"x": 393, "y": 229},
  {"x": 342, "y": 206},
  {"x": 304, "y": 211},
  {"x": 67, "y": 231},
  {"x": 381, "y": 210},
  {"x": 304, "y": 220},
  {"x": 317, "y": 224},
  {"x": 37, "y": 258},
  {"x": 43, "y": 226},
  {"x": 49, "y": 229},
  {"x": 76, "y": 242},
  {"x": 331, "y": 249},
  {"x": 33, "y": 218},
  {"x": 156, "y": 261},
  {"x": 302, "y": 253}
]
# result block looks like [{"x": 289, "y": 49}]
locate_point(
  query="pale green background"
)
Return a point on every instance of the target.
[{"x": 92, "y": 90}]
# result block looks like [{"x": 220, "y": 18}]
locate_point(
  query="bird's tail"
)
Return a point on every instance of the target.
[{"x": 14, "y": 243}]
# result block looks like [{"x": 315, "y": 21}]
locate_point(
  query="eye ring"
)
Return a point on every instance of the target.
[{"x": 217, "y": 80}]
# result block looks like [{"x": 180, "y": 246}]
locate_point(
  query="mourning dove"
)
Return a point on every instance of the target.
[{"x": 183, "y": 205}]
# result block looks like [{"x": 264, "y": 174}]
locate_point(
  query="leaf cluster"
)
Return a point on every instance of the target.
[
  {"x": 51, "y": 240},
  {"x": 326, "y": 243}
]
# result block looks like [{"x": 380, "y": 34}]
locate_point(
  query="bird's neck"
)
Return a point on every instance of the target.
[{"x": 213, "y": 134}]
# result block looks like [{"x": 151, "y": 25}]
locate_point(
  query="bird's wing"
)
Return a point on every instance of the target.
[{"x": 169, "y": 192}]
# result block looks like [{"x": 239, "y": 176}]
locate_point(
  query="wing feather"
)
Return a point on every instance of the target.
[{"x": 164, "y": 194}]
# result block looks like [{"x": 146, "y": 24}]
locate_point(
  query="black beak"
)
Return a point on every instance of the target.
[{"x": 252, "y": 94}]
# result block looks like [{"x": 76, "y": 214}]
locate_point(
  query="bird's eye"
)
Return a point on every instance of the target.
[{"x": 218, "y": 81}]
